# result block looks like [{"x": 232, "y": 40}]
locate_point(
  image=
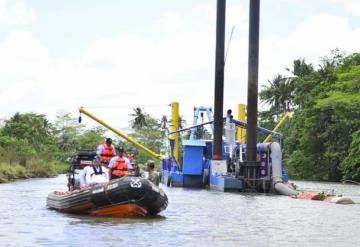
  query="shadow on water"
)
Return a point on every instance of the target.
[{"x": 93, "y": 220}]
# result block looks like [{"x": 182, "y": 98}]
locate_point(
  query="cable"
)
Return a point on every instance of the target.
[
  {"x": 228, "y": 46},
  {"x": 127, "y": 106}
]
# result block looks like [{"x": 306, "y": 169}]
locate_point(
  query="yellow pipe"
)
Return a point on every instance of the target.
[
  {"x": 129, "y": 139},
  {"x": 174, "y": 127},
  {"x": 241, "y": 132},
  {"x": 281, "y": 123}
]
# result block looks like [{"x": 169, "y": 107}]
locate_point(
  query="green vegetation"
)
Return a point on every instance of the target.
[
  {"x": 351, "y": 165},
  {"x": 322, "y": 143},
  {"x": 323, "y": 140},
  {"x": 148, "y": 131},
  {"x": 31, "y": 146},
  {"x": 31, "y": 169}
]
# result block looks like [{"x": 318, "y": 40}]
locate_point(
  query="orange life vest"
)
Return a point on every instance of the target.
[
  {"x": 120, "y": 168},
  {"x": 107, "y": 153},
  {"x": 131, "y": 157}
]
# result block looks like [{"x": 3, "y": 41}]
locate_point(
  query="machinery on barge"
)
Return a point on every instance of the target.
[{"x": 193, "y": 166}]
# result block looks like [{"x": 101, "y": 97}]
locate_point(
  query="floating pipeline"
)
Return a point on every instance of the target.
[
  {"x": 338, "y": 199},
  {"x": 288, "y": 189}
]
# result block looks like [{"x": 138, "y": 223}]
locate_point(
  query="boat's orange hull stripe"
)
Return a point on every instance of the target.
[
  {"x": 78, "y": 209},
  {"x": 120, "y": 210}
]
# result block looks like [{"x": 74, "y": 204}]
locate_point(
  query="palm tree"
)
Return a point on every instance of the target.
[
  {"x": 182, "y": 122},
  {"x": 301, "y": 68},
  {"x": 139, "y": 120},
  {"x": 163, "y": 122},
  {"x": 279, "y": 94},
  {"x": 303, "y": 81}
]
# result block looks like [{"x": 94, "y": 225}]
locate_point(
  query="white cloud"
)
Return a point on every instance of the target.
[
  {"x": 237, "y": 16},
  {"x": 23, "y": 62},
  {"x": 130, "y": 69},
  {"x": 351, "y": 6},
  {"x": 22, "y": 55},
  {"x": 313, "y": 39},
  {"x": 171, "y": 22},
  {"x": 14, "y": 12}
]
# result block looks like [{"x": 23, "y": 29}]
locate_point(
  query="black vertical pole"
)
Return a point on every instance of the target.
[
  {"x": 219, "y": 79},
  {"x": 253, "y": 66}
]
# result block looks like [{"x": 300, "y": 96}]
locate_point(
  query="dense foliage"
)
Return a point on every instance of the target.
[
  {"x": 30, "y": 145},
  {"x": 321, "y": 143},
  {"x": 148, "y": 131},
  {"x": 323, "y": 140}
]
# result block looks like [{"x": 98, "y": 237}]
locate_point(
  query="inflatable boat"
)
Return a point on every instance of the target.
[{"x": 124, "y": 197}]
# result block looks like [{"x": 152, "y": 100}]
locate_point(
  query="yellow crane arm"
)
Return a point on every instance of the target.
[
  {"x": 127, "y": 138},
  {"x": 281, "y": 123}
]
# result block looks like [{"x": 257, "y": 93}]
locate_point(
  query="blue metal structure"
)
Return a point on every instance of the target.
[
  {"x": 191, "y": 171},
  {"x": 196, "y": 169},
  {"x": 199, "y": 111}
]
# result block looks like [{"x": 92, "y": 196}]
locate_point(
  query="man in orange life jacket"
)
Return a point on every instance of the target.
[
  {"x": 130, "y": 156},
  {"x": 106, "y": 151},
  {"x": 119, "y": 165}
]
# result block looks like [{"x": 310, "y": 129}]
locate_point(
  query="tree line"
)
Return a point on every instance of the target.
[
  {"x": 322, "y": 141},
  {"x": 31, "y": 145}
]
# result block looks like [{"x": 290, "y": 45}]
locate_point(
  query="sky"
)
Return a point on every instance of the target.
[{"x": 112, "y": 56}]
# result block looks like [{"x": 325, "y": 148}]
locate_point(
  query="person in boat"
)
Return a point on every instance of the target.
[
  {"x": 136, "y": 170},
  {"x": 153, "y": 175},
  {"x": 93, "y": 174},
  {"x": 119, "y": 165},
  {"x": 106, "y": 151},
  {"x": 130, "y": 155}
]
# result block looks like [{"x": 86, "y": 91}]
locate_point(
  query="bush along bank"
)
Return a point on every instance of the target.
[{"x": 33, "y": 168}]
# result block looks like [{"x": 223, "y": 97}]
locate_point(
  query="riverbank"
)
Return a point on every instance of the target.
[{"x": 10, "y": 172}]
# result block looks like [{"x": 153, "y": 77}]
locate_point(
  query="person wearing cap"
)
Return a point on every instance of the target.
[
  {"x": 106, "y": 151},
  {"x": 119, "y": 165},
  {"x": 153, "y": 175},
  {"x": 94, "y": 174}
]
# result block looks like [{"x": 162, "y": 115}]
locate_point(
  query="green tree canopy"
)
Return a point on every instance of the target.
[
  {"x": 15, "y": 150},
  {"x": 150, "y": 135},
  {"x": 67, "y": 131},
  {"x": 91, "y": 138},
  {"x": 139, "y": 118},
  {"x": 327, "y": 113},
  {"x": 279, "y": 94},
  {"x": 351, "y": 164},
  {"x": 32, "y": 127}
]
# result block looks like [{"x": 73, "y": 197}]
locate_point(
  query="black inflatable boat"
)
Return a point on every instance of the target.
[{"x": 124, "y": 197}]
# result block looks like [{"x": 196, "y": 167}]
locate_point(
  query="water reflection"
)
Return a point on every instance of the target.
[
  {"x": 83, "y": 219},
  {"x": 193, "y": 218}
]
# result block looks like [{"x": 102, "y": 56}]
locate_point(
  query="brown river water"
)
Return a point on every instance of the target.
[{"x": 193, "y": 218}]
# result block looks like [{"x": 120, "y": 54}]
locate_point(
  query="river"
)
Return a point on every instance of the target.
[{"x": 193, "y": 218}]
